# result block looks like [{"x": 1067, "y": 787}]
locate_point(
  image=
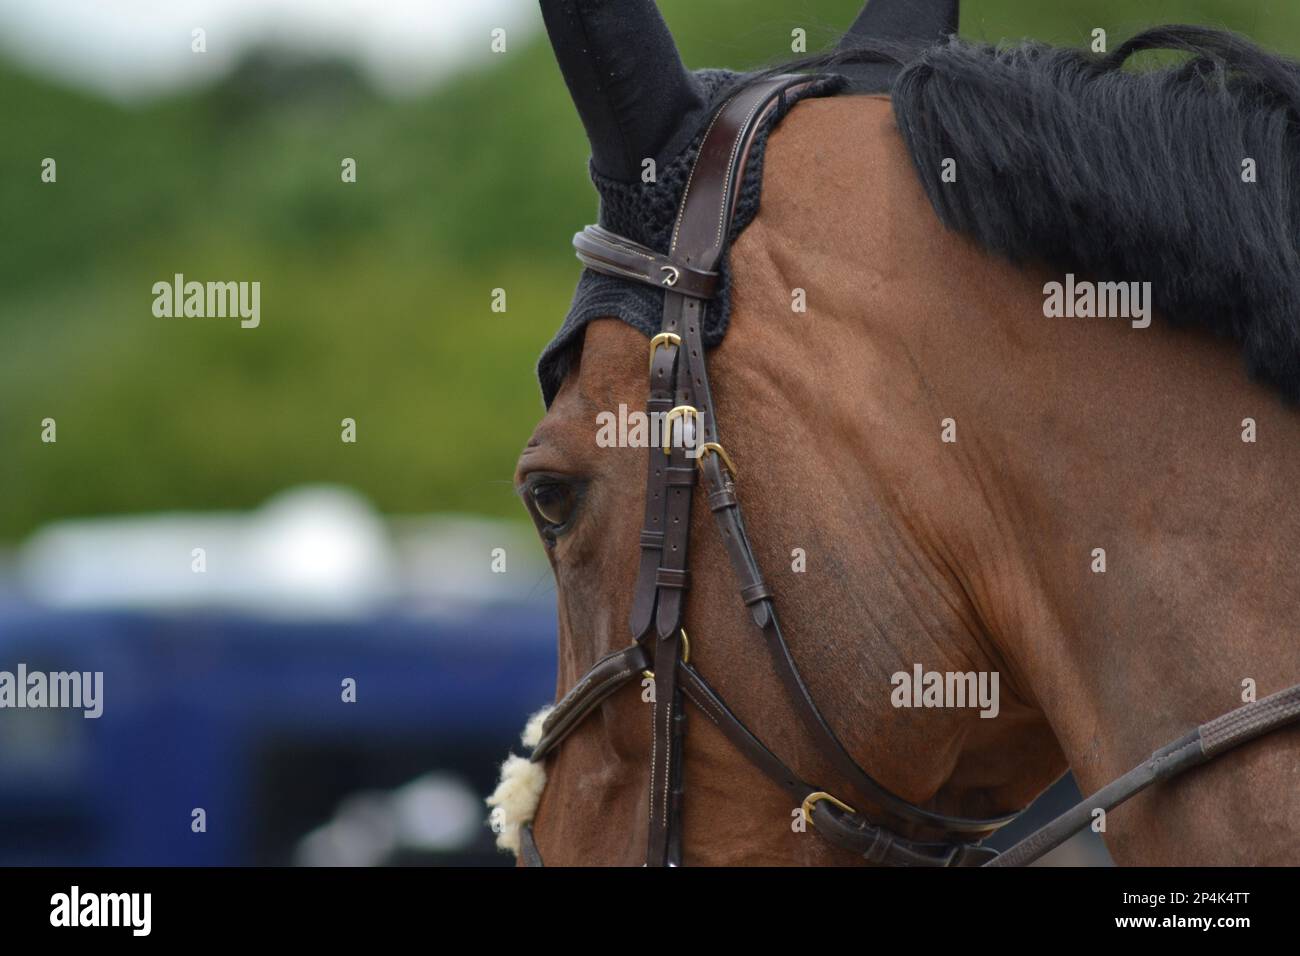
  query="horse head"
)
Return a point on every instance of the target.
[{"x": 931, "y": 468}]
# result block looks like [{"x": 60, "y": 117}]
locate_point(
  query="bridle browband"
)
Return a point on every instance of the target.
[{"x": 679, "y": 389}]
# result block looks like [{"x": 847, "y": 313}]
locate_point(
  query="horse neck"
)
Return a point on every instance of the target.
[
  {"x": 1072, "y": 436},
  {"x": 1145, "y": 546}
]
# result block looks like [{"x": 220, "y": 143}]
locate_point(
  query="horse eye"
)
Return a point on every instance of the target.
[{"x": 554, "y": 501}]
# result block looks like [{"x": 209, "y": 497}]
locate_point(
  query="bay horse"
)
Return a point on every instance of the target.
[{"x": 939, "y": 473}]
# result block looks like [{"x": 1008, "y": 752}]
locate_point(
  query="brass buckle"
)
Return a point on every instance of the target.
[
  {"x": 663, "y": 338},
  {"x": 686, "y": 655},
  {"x": 812, "y": 798},
  {"x": 681, "y": 411},
  {"x": 712, "y": 446}
]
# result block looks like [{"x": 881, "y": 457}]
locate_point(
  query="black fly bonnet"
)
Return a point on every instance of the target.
[{"x": 639, "y": 103}]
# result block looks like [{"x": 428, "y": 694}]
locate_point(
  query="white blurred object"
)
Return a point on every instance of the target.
[
  {"x": 447, "y": 562},
  {"x": 321, "y": 548},
  {"x": 436, "y": 812},
  {"x": 133, "y": 50},
  {"x": 314, "y": 551},
  {"x": 362, "y": 834},
  {"x": 318, "y": 550}
]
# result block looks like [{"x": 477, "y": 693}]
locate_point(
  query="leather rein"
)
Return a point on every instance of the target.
[{"x": 679, "y": 389}]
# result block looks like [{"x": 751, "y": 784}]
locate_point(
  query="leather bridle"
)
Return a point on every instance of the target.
[{"x": 679, "y": 389}]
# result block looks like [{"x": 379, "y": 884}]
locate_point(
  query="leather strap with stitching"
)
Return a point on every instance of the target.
[
  {"x": 603, "y": 251},
  {"x": 606, "y": 676},
  {"x": 1204, "y": 743}
]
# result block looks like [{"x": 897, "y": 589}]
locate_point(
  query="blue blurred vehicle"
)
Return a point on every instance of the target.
[{"x": 244, "y": 718}]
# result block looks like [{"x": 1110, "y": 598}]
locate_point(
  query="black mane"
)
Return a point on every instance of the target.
[{"x": 1069, "y": 158}]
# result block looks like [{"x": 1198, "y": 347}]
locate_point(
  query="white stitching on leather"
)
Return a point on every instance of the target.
[
  {"x": 731, "y": 170},
  {"x": 681, "y": 209},
  {"x": 654, "y": 749}
]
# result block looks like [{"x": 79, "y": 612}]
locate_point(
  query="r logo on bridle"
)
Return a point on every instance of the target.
[{"x": 673, "y": 274}]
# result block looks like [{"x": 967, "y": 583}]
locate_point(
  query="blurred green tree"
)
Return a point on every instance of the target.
[{"x": 375, "y": 295}]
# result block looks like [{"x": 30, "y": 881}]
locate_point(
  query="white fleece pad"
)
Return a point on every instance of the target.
[{"x": 515, "y": 799}]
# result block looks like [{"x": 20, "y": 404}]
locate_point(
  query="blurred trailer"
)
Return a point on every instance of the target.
[{"x": 244, "y": 718}]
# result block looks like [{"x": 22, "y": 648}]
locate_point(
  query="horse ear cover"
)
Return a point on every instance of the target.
[
  {"x": 635, "y": 97},
  {"x": 638, "y": 101},
  {"x": 929, "y": 20}
]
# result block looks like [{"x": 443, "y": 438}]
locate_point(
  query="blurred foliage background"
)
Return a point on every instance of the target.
[{"x": 375, "y": 295}]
